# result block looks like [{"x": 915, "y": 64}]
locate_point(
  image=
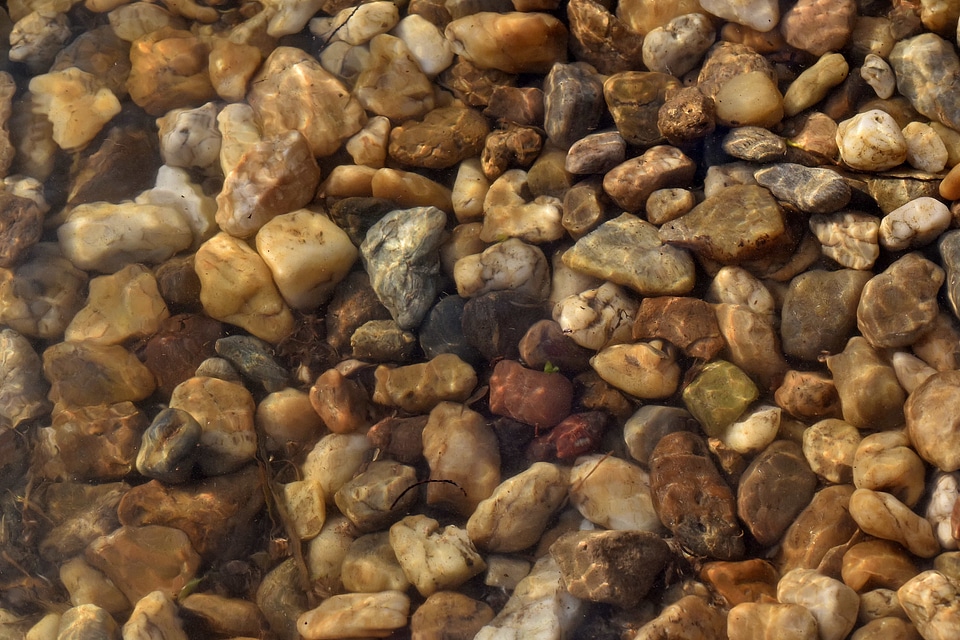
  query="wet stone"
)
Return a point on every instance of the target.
[
  {"x": 513, "y": 42},
  {"x": 613, "y": 494},
  {"x": 692, "y": 499},
  {"x": 877, "y": 564},
  {"x": 178, "y": 347},
  {"x": 930, "y": 600},
  {"x": 687, "y": 115},
  {"x": 819, "y": 26},
  {"x": 753, "y": 343},
  {"x": 808, "y": 395},
  {"x": 645, "y": 370},
  {"x": 355, "y": 615},
  {"x": 443, "y": 138},
  {"x": 771, "y": 620},
  {"x": 617, "y": 567},
  {"x": 773, "y": 490},
  {"x": 900, "y": 304},
  {"x": 630, "y": 184},
  {"x": 21, "y": 225},
  {"x": 87, "y": 621},
  {"x": 599, "y": 37},
  {"x": 719, "y": 394},
  {"x": 449, "y": 614},
  {"x": 169, "y": 70},
  {"x": 509, "y": 212},
  {"x": 23, "y": 389},
  {"x": 924, "y": 65},
  {"x": 829, "y": 447},
  {"x": 634, "y": 99},
  {"x": 545, "y": 342},
  {"x": 400, "y": 253},
  {"x": 688, "y": 323},
  {"x": 419, "y": 387},
  {"x": 763, "y": 108},
  {"x": 510, "y": 146},
  {"x": 812, "y": 190},
  {"x": 885, "y": 461},
  {"x": 178, "y": 283},
  {"x": 441, "y": 331},
  {"x": 819, "y": 311},
  {"x": 383, "y": 340},
  {"x": 434, "y": 559},
  {"x": 849, "y": 238},
  {"x": 871, "y": 141},
  {"x": 596, "y": 318},
  {"x": 757, "y": 228},
  {"x": 627, "y": 251},
  {"x": 643, "y": 430},
  {"x": 677, "y": 47},
  {"x": 755, "y": 144},
  {"x": 880, "y": 514},
  {"x": 472, "y": 84},
  {"x": 379, "y": 496},
  {"x": 812, "y": 85},
  {"x": 742, "y": 581},
  {"x": 573, "y": 102},
  {"x": 870, "y": 394},
  {"x": 370, "y": 565},
  {"x": 914, "y": 224},
  {"x": 520, "y": 105},
  {"x": 533, "y": 397},
  {"x": 925, "y": 149},
  {"x": 221, "y": 615},
  {"x": 84, "y": 373},
  {"x": 823, "y": 524},
  {"x": 931, "y": 422},
  {"x": 495, "y": 322},
  {"x": 253, "y": 358},
  {"x": 832, "y": 603},
  {"x": 596, "y": 153},
  {"x": 169, "y": 446}
]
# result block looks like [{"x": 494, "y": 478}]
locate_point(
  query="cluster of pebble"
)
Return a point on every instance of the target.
[{"x": 493, "y": 319}]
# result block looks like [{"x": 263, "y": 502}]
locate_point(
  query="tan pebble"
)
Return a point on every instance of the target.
[
  {"x": 326, "y": 553},
  {"x": 449, "y": 614},
  {"x": 829, "y": 447},
  {"x": 689, "y": 616},
  {"x": 884, "y": 461},
  {"x": 514, "y": 42},
  {"x": 824, "y": 524},
  {"x": 932, "y": 601},
  {"x": 871, "y": 141},
  {"x": 613, "y": 494},
  {"x": 933, "y": 421},
  {"x": 880, "y": 514},
  {"x": 285, "y": 417},
  {"x": 812, "y": 85},
  {"x": 950, "y": 185},
  {"x": 334, "y": 460},
  {"x": 766, "y": 621},
  {"x": 644, "y": 370},
  {"x": 877, "y": 564},
  {"x": 408, "y": 189},
  {"x": 355, "y": 615},
  {"x": 749, "y": 99},
  {"x": 886, "y": 629},
  {"x": 434, "y": 559},
  {"x": 832, "y": 603}
]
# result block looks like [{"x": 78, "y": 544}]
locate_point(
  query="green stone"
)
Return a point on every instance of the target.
[{"x": 718, "y": 395}]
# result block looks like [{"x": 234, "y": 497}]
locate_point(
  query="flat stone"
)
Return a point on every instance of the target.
[
  {"x": 900, "y": 304},
  {"x": 355, "y": 615},
  {"x": 85, "y": 373},
  {"x": 630, "y": 184},
  {"x": 819, "y": 311},
  {"x": 573, "y": 102},
  {"x": 379, "y": 496},
  {"x": 719, "y": 394},
  {"x": 764, "y": 504},
  {"x": 813, "y": 190}
]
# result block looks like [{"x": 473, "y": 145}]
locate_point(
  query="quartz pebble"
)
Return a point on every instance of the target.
[
  {"x": 932, "y": 429},
  {"x": 356, "y": 615},
  {"x": 832, "y": 603},
  {"x": 914, "y": 224},
  {"x": 771, "y": 620},
  {"x": 930, "y": 601},
  {"x": 871, "y": 141},
  {"x": 613, "y": 494},
  {"x": 882, "y": 515},
  {"x": 886, "y": 462},
  {"x": 433, "y": 559},
  {"x": 505, "y": 41}
]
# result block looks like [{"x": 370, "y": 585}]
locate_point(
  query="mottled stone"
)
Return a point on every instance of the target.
[
  {"x": 595, "y": 153},
  {"x": 513, "y": 42},
  {"x": 824, "y": 524},
  {"x": 630, "y": 184},
  {"x": 677, "y": 47},
  {"x": 644, "y": 370},
  {"x": 690, "y": 615},
  {"x": 434, "y": 559},
  {"x": 23, "y": 389},
  {"x": 719, "y": 395},
  {"x": 930, "y": 600},
  {"x": 812, "y": 190},
  {"x": 776, "y": 486},
  {"x": 178, "y": 347},
  {"x": 169, "y": 446},
  {"x": 743, "y": 581},
  {"x": 627, "y": 251},
  {"x": 616, "y": 567},
  {"x": 596, "y": 318},
  {"x": 169, "y": 70},
  {"x": 474, "y": 84},
  {"x": 545, "y": 342},
  {"x": 819, "y": 311},
  {"x": 885, "y": 461},
  {"x": 850, "y": 238},
  {"x": 447, "y": 614},
  {"x": 21, "y": 226},
  {"x": 750, "y": 99},
  {"x": 510, "y": 146},
  {"x": 400, "y": 253},
  {"x": 752, "y": 343},
  {"x": 533, "y": 397},
  {"x": 811, "y": 86},
  {"x": 613, "y": 494},
  {"x": 914, "y": 224},
  {"x": 808, "y": 395},
  {"x": 877, "y": 564},
  {"x": 931, "y": 422},
  {"x": 379, "y": 496},
  {"x": 292, "y": 91},
  {"x": 120, "y": 307},
  {"x": 870, "y": 395},
  {"x": 601, "y": 38},
  {"x": 84, "y": 374},
  {"x": 419, "y": 387},
  {"x": 924, "y": 65},
  {"x": 370, "y": 565},
  {"x": 443, "y": 138},
  {"x": 519, "y": 105},
  {"x": 755, "y": 144},
  {"x": 634, "y": 99},
  {"x": 757, "y": 227},
  {"x": 687, "y": 115},
  {"x": 832, "y": 603},
  {"x": 79, "y": 513},
  {"x": 871, "y": 141},
  {"x": 771, "y": 620},
  {"x": 494, "y": 323},
  {"x": 573, "y": 102},
  {"x": 819, "y": 26},
  {"x": 692, "y": 499},
  {"x": 900, "y": 304},
  {"x": 509, "y": 212}
]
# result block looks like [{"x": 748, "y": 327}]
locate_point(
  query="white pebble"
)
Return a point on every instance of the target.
[
  {"x": 877, "y": 73},
  {"x": 925, "y": 149},
  {"x": 871, "y": 141},
  {"x": 917, "y": 223}
]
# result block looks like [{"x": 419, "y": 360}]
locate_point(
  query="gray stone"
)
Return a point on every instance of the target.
[
  {"x": 928, "y": 70},
  {"x": 573, "y": 102},
  {"x": 169, "y": 446},
  {"x": 812, "y": 190},
  {"x": 253, "y": 358},
  {"x": 401, "y": 254},
  {"x": 819, "y": 311}
]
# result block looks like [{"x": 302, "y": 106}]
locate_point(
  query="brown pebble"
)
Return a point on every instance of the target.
[
  {"x": 534, "y": 397},
  {"x": 824, "y": 524},
  {"x": 753, "y": 580},
  {"x": 877, "y": 564},
  {"x": 688, "y": 323},
  {"x": 950, "y": 185}
]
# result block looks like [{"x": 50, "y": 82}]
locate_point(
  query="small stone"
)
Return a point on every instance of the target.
[
  {"x": 23, "y": 389},
  {"x": 613, "y": 494},
  {"x": 169, "y": 447},
  {"x": 596, "y": 153},
  {"x": 449, "y": 614},
  {"x": 870, "y": 395},
  {"x": 434, "y": 560},
  {"x": 825, "y": 523},
  {"x": 631, "y": 183},
  {"x": 812, "y": 190},
  {"x": 719, "y": 395},
  {"x": 443, "y": 138},
  {"x": 280, "y": 599},
  {"x": 627, "y": 251},
  {"x": 812, "y": 85},
  {"x": 871, "y": 141},
  {"x": 175, "y": 188},
  {"x": 911, "y": 371},
  {"x": 877, "y": 564},
  {"x": 899, "y": 305},
  {"x": 400, "y": 254},
  {"x": 942, "y": 508},
  {"x": 354, "y": 615},
  {"x": 392, "y": 84},
  {"x": 573, "y": 102},
  {"x": 509, "y": 146},
  {"x": 616, "y": 567},
  {"x": 545, "y": 343},
  {"x": 689, "y": 615},
  {"x": 644, "y": 370},
  {"x": 494, "y": 323},
  {"x": 441, "y": 331},
  {"x": 169, "y": 70},
  {"x": 155, "y": 613},
  {"x": 692, "y": 499},
  {"x": 379, "y": 496},
  {"x": 356, "y": 26},
  {"x": 513, "y": 42},
  {"x": 464, "y": 458},
  {"x": 880, "y": 514},
  {"x": 533, "y": 397},
  {"x": 86, "y": 621},
  {"x": 519, "y": 105},
  {"x": 517, "y": 513},
  {"x": 808, "y": 395},
  {"x": 881, "y": 603},
  {"x": 643, "y": 430},
  {"x": 76, "y": 104},
  {"x": 925, "y": 149},
  {"x": 334, "y": 460},
  {"x": 84, "y": 373},
  {"x": 771, "y": 620},
  {"x": 830, "y": 446},
  {"x": 677, "y": 47},
  {"x": 764, "y": 503},
  {"x": 851, "y": 238},
  {"x": 426, "y": 42},
  {"x": 819, "y": 311},
  {"x": 223, "y": 616},
  {"x": 599, "y": 37},
  {"x": 819, "y": 26},
  {"x": 755, "y": 144},
  {"x": 634, "y": 99},
  {"x": 885, "y": 461},
  {"x": 933, "y": 429},
  {"x": 832, "y": 603},
  {"x": 21, "y": 226},
  {"x": 595, "y": 318},
  {"x": 763, "y": 108},
  {"x": 757, "y": 228},
  {"x": 930, "y": 600},
  {"x": 878, "y": 73},
  {"x": 922, "y": 65},
  {"x": 743, "y": 581},
  {"x": 753, "y": 343},
  {"x": 688, "y": 323},
  {"x": 178, "y": 347},
  {"x": 190, "y": 138},
  {"x": 382, "y": 341},
  {"x": 106, "y": 237},
  {"x": 915, "y": 224},
  {"x": 417, "y": 388},
  {"x": 292, "y": 91},
  {"x": 370, "y": 565},
  {"x": 753, "y": 430},
  {"x": 79, "y": 514},
  {"x": 303, "y": 500},
  {"x": 687, "y": 115},
  {"x": 141, "y": 560},
  {"x": 886, "y": 629},
  {"x": 507, "y": 213}
]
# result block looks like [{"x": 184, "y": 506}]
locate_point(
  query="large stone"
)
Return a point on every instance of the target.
[
  {"x": 443, "y": 138},
  {"x": 926, "y": 66},
  {"x": 392, "y": 83},
  {"x": 513, "y": 42},
  {"x": 773, "y": 490},
  {"x": 932, "y": 420},
  {"x": 86, "y": 373}
]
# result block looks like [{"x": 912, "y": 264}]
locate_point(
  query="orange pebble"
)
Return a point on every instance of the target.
[{"x": 950, "y": 185}]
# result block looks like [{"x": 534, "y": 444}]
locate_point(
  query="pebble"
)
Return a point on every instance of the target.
[
  {"x": 155, "y": 612},
  {"x": 355, "y": 615},
  {"x": 464, "y": 458},
  {"x": 356, "y": 26},
  {"x": 763, "y": 503},
  {"x": 877, "y": 564},
  {"x": 690, "y": 616},
  {"x": 753, "y": 343},
  {"x": 419, "y": 387},
  {"x": 687, "y": 115},
  {"x": 719, "y": 395},
  {"x": 811, "y": 86},
  {"x": 893, "y": 315},
  {"x": 819, "y": 26},
  {"x": 538, "y": 398},
  {"x": 444, "y": 137},
  {"x": 613, "y": 494},
  {"x": 447, "y": 613},
  {"x": 643, "y": 369},
  {"x": 596, "y": 153},
  {"x": 23, "y": 394},
  {"x": 925, "y": 149},
  {"x": 771, "y": 620},
  {"x": 808, "y": 395},
  {"x": 914, "y": 224},
  {"x": 505, "y": 41},
  {"x": 886, "y": 462},
  {"x": 823, "y": 524},
  {"x": 701, "y": 513},
  {"x": 819, "y": 311},
  {"x": 615, "y": 567},
  {"x": 433, "y": 559},
  {"x": 677, "y": 47},
  {"x": 644, "y": 428},
  {"x": 377, "y": 497},
  {"x": 812, "y": 190},
  {"x": 849, "y": 238},
  {"x": 602, "y": 38},
  {"x": 763, "y": 107},
  {"x": 508, "y": 214},
  {"x": 627, "y": 251},
  {"x": 829, "y": 447},
  {"x": 630, "y": 184},
  {"x": 932, "y": 429},
  {"x": 573, "y": 102},
  {"x": 880, "y": 514},
  {"x": 930, "y": 600},
  {"x": 756, "y": 428},
  {"x": 253, "y": 358},
  {"x": 871, "y": 141},
  {"x": 832, "y": 603},
  {"x": 886, "y": 628},
  {"x": 870, "y": 394},
  {"x": 688, "y": 323},
  {"x": 168, "y": 450},
  {"x": 517, "y": 513},
  {"x": 495, "y": 322},
  {"x": 939, "y": 512},
  {"x": 86, "y": 373},
  {"x": 920, "y": 63}
]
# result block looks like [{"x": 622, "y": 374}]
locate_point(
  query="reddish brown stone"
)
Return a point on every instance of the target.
[
  {"x": 686, "y": 116},
  {"x": 691, "y": 498},
  {"x": 599, "y": 37},
  {"x": 545, "y": 343},
  {"x": 533, "y": 397},
  {"x": 824, "y": 524},
  {"x": 575, "y": 436},
  {"x": 353, "y": 305},
  {"x": 177, "y": 349},
  {"x": 519, "y": 105},
  {"x": 752, "y": 580},
  {"x": 593, "y": 393},
  {"x": 21, "y": 225},
  {"x": 343, "y": 404},
  {"x": 808, "y": 395},
  {"x": 511, "y": 146},
  {"x": 687, "y": 323},
  {"x": 399, "y": 438},
  {"x": 472, "y": 84}
]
